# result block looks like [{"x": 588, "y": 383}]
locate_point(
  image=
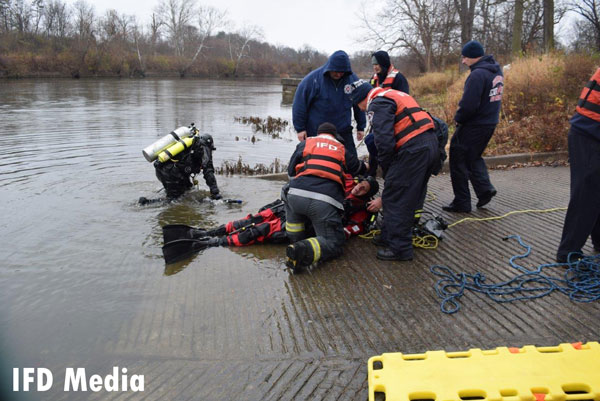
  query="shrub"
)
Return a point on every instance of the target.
[
  {"x": 540, "y": 95},
  {"x": 433, "y": 82}
]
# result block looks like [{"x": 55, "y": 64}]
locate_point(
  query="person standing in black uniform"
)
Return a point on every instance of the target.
[
  {"x": 407, "y": 149},
  {"x": 476, "y": 119},
  {"x": 583, "y": 213},
  {"x": 176, "y": 174},
  {"x": 385, "y": 76}
]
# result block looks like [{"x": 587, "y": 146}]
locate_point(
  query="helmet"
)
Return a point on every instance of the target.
[{"x": 207, "y": 139}]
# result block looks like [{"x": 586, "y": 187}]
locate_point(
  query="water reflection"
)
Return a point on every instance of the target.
[{"x": 174, "y": 268}]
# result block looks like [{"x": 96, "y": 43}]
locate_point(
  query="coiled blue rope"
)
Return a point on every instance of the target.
[{"x": 580, "y": 281}]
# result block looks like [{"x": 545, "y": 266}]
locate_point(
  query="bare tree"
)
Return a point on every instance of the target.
[
  {"x": 548, "y": 25},
  {"x": 533, "y": 25},
  {"x": 37, "y": 14},
  {"x": 517, "y": 32},
  {"x": 84, "y": 20},
  {"x": 239, "y": 44},
  {"x": 466, "y": 14},
  {"x": 137, "y": 34},
  {"x": 177, "y": 15},
  {"x": 108, "y": 26},
  {"x": 84, "y": 32},
  {"x": 423, "y": 28},
  {"x": 5, "y": 15},
  {"x": 155, "y": 24},
  {"x": 56, "y": 19},
  {"x": 21, "y": 15},
  {"x": 590, "y": 11},
  {"x": 209, "y": 19}
]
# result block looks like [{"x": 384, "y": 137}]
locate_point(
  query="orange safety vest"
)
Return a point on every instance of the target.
[
  {"x": 410, "y": 121},
  {"x": 389, "y": 79},
  {"x": 324, "y": 157},
  {"x": 589, "y": 100}
]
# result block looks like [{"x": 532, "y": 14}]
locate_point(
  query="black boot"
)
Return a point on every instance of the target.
[
  {"x": 388, "y": 254},
  {"x": 486, "y": 198},
  {"x": 300, "y": 255}
]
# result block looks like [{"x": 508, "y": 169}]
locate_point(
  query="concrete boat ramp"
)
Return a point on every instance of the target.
[{"x": 241, "y": 327}]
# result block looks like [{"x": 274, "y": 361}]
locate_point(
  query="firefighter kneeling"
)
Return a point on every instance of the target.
[{"x": 316, "y": 196}]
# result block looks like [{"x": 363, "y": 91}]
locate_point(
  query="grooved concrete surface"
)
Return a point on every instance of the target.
[{"x": 240, "y": 327}]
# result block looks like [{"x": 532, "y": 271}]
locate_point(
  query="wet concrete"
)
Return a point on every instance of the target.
[{"x": 234, "y": 324}]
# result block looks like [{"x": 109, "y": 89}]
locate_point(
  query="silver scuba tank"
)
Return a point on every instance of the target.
[{"x": 151, "y": 152}]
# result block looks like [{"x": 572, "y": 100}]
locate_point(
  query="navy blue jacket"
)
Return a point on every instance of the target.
[
  {"x": 480, "y": 104},
  {"x": 382, "y": 127},
  {"x": 322, "y": 185},
  {"x": 320, "y": 99},
  {"x": 583, "y": 125}
]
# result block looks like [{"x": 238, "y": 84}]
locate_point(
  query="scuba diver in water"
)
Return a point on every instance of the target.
[
  {"x": 268, "y": 224},
  {"x": 178, "y": 157},
  {"x": 177, "y": 174}
]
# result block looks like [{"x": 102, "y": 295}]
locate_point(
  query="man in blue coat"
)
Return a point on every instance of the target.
[
  {"x": 476, "y": 119},
  {"x": 322, "y": 96}
]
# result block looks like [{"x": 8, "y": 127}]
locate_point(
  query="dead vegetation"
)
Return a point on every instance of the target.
[
  {"x": 273, "y": 126},
  {"x": 241, "y": 168}
]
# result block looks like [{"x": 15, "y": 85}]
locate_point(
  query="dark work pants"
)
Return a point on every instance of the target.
[
  {"x": 348, "y": 140},
  {"x": 466, "y": 164},
  {"x": 404, "y": 190},
  {"x": 325, "y": 218},
  {"x": 583, "y": 214}
]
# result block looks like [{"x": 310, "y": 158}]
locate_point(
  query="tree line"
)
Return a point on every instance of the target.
[
  {"x": 183, "y": 37},
  {"x": 186, "y": 38},
  {"x": 431, "y": 33}
]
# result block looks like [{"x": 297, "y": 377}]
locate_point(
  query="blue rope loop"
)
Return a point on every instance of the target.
[{"x": 580, "y": 281}]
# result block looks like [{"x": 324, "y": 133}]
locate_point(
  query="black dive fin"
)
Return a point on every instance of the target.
[
  {"x": 180, "y": 249},
  {"x": 173, "y": 232}
]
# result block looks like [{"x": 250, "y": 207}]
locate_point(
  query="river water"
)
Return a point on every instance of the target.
[{"x": 74, "y": 244}]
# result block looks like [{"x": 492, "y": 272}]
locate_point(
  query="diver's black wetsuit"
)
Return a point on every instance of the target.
[{"x": 176, "y": 174}]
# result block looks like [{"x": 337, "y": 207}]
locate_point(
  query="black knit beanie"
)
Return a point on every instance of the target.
[
  {"x": 472, "y": 49},
  {"x": 327, "y": 128}
]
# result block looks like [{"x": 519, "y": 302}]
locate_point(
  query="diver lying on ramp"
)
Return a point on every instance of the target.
[{"x": 266, "y": 226}]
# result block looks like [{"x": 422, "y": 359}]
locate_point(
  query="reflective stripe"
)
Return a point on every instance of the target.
[
  {"x": 294, "y": 227},
  {"x": 315, "y": 195},
  {"x": 316, "y": 249}
]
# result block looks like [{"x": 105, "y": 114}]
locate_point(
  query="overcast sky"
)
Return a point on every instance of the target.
[{"x": 326, "y": 25}]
